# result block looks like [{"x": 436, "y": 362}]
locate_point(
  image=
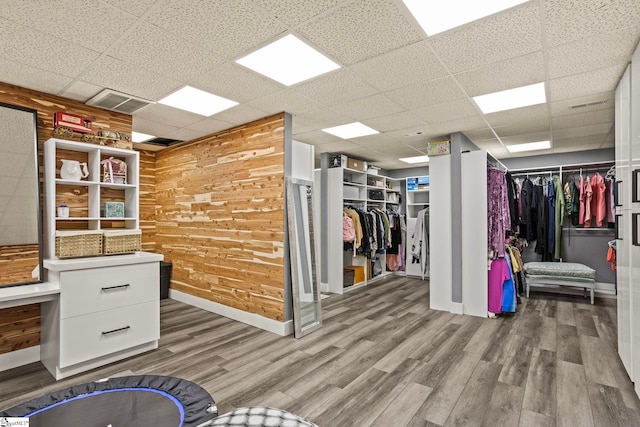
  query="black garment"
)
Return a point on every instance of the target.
[
  {"x": 512, "y": 197},
  {"x": 528, "y": 229},
  {"x": 396, "y": 234}
]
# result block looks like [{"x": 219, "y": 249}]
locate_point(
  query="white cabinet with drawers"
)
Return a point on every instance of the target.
[{"x": 108, "y": 309}]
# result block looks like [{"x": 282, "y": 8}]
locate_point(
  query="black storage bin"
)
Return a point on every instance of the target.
[
  {"x": 348, "y": 277},
  {"x": 165, "y": 278}
]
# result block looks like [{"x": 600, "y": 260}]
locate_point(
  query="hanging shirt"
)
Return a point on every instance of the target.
[
  {"x": 559, "y": 217},
  {"x": 583, "y": 197},
  {"x": 551, "y": 206},
  {"x": 575, "y": 204},
  {"x": 588, "y": 195},
  {"x": 509, "y": 291},
  {"x": 598, "y": 205}
]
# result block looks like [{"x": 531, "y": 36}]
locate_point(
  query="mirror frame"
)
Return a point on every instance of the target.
[
  {"x": 36, "y": 158},
  {"x": 302, "y": 253}
]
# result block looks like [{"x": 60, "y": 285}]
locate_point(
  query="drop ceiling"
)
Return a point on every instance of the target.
[{"x": 393, "y": 78}]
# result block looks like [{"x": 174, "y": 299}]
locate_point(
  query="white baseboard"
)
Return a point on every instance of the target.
[
  {"x": 19, "y": 358},
  {"x": 456, "y": 308},
  {"x": 280, "y": 328}
]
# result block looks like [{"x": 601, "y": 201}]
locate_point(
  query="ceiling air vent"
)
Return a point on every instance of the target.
[{"x": 118, "y": 101}]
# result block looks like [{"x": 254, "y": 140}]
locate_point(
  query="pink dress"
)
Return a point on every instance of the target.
[
  {"x": 598, "y": 205},
  {"x": 588, "y": 195},
  {"x": 497, "y": 275},
  {"x": 582, "y": 197}
]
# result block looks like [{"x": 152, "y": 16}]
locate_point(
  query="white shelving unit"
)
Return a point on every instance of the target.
[
  {"x": 94, "y": 218},
  {"x": 109, "y": 306},
  {"x": 350, "y": 187},
  {"x": 417, "y": 198}
]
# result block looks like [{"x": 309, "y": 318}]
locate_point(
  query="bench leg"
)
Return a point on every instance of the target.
[
  {"x": 527, "y": 289},
  {"x": 591, "y": 296}
]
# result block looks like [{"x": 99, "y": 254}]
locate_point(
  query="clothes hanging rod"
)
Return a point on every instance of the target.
[{"x": 571, "y": 165}]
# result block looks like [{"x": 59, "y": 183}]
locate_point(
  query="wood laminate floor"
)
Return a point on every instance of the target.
[{"x": 383, "y": 358}]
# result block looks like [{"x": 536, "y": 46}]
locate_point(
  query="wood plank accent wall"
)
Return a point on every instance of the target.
[
  {"x": 220, "y": 216},
  {"x": 17, "y": 262},
  {"x": 20, "y": 329},
  {"x": 148, "y": 200}
]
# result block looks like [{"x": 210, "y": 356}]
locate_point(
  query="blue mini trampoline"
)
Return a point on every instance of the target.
[{"x": 134, "y": 401}]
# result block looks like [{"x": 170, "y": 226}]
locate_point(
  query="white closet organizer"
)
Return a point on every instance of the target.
[
  {"x": 417, "y": 199},
  {"x": 109, "y": 306},
  {"x": 91, "y": 214},
  {"x": 363, "y": 190}
]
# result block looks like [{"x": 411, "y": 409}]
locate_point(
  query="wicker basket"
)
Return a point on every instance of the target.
[
  {"x": 122, "y": 241},
  {"x": 78, "y": 243}
]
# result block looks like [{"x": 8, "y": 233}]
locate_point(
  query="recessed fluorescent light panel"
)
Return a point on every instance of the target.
[
  {"x": 197, "y": 101},
  {"x": 436, "y": 16},
  {"x": 417, "y": 159},
  {"x": 512, "y": 98},
  {"x": 531, "y": 146},
  {"x": 351, "y": 130},
  {"x": 141, "y": 137},
  {"x": 288, "y": 61}
]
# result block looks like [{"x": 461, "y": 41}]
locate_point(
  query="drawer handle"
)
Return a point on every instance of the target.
[
  {"x": 116, "y": 330},
  {"x": 111, "y": 288}
]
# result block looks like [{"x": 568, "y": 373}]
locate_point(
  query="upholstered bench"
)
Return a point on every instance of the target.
[{"x": 569, "y": 274}]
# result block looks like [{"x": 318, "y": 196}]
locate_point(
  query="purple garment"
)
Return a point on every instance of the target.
[
  {"x": 498, "y": 274},
  {"x": 498, "y": 217}
]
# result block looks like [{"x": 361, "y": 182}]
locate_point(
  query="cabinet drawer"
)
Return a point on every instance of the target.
[
  {"x": 97, "y": 289},
  {"x": 87, "y": 337}
]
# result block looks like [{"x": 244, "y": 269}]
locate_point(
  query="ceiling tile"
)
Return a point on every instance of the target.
[
  {"x": 23, "y": 45},
  {"x": 427, "y": 93},
  {"x": 593, "y": 53},
  {"x": 587, "y": 103},
  {"x": 591, "y": 142},
  {"x": 396, "y": 121},
  {"x": 483, "y": 134},
  {"x": 8, "y": 184},
  {"x": 115, "y": 74},
  {"x": 81, "y": 91},
  {"x": 168, "y": 115},
  {"x": 300, "y": 128},
  {"x": 525, "y": 128},
  {"x": 375, "y": 142},
  {"x": 366, "y": 108},
  {"x": 290, "y": 12},
  {"x": 402, "y": 67},
  {"x": 209, "y": 126},
  {"x": 321, "y": 119},
  {"x": 233, "y": 81},
  {"x": 519, "y": 115},
  {"x": 228, "y": 28},
  {"x": 285, "y": 100},
  {"x": 341, "y": 146},
  {"x": 581, "y": 131},
  {"x": 337, "y": 87},
  {"x": 186, "y": 134},
  {"x": 317, "y": 137},
  {"x": 460, "y": 125},
  {"x": 15, "y": 164},
  {"x": 137, "y": 8},
  {"x": 525, "y": 138},
  {"x": 584, "y": 119},
  {"x": 589, "y": 83},
  {"x": 94, "y": 26},
  {"x": 506, "y": 35},
  {"x": 151, "y": 127},
  {"x": 150, "y": 47},
  {"x": 514, "y": 72},
  {"x": 347, "y": 32},
  {"x": 31, "y": 77},
  {"x": 241, "y": 114},
  {"x": 447, "y": 111},
  {"x": 411, "y": 133},
  {"x": 569, "y": 20}
]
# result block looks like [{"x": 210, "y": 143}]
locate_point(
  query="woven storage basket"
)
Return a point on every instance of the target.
[
  {"x": 78, "y": 243},
  {"x": 122, "y": 241}
]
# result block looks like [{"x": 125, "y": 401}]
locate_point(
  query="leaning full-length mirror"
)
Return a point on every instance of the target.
[
  {"x": 307, "y": 315},
  {"x": 20, "y": 219}
]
